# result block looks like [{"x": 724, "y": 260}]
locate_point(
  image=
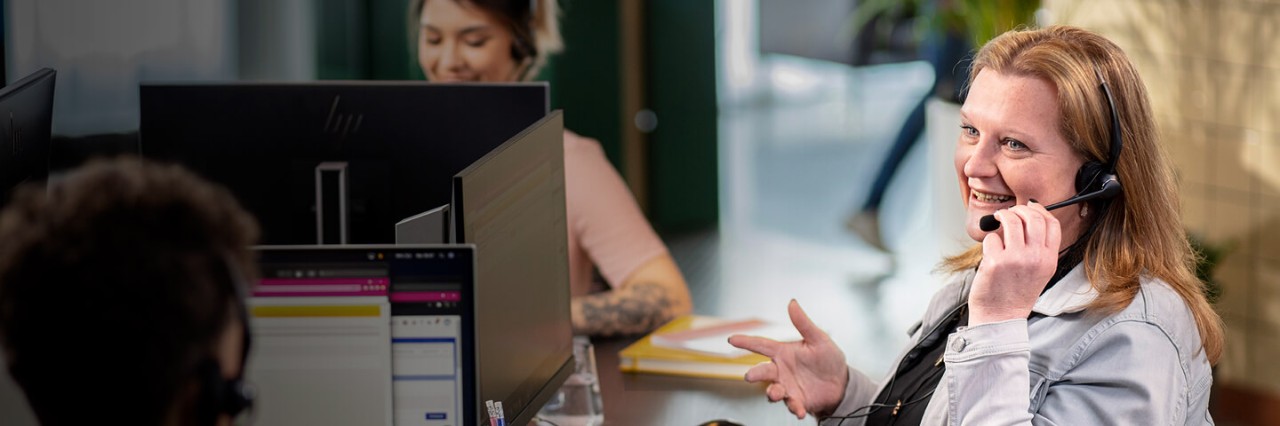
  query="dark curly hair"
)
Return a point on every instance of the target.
[{"x": 115, "y": 283}]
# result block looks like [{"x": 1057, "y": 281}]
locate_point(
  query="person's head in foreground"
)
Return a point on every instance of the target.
[
  {"x": 1087, "y": 314},
  {"x": 121, "y": 296},
  {"x": 484, "y": 40}
]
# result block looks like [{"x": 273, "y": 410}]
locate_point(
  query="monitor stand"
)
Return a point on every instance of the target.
[{"x": 331, "y": 185}]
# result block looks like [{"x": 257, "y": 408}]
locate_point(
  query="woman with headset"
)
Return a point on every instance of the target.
[
  {"x": 1087, "y": 314},
  {"x": 508, "y": 40}
]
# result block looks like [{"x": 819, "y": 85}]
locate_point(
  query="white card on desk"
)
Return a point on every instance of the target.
[{"x": 711, "y": 336}]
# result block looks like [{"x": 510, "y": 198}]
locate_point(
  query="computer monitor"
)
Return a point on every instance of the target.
[
  {"x": 26, "y": 123},
  {"x": 314, "y": 161},
  {"x": 511, "y": 205},
  {"x": 364, "y": 334}
]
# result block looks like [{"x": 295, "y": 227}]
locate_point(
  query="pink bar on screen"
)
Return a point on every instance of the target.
[
  {"x": 325, "y": 281},
  {"x": 258, "y": 293},
  {"x": 330, "y": 290},
  {"x": 426, "y": 296},
  {"x": 326, "y": 294},
  {"x": 312, "y": 288}
]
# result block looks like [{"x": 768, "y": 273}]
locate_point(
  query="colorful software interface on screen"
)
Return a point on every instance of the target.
[{"x": 371, "y": 335}]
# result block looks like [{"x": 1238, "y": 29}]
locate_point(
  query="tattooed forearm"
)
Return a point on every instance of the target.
[{"x": 634, "y": 309}]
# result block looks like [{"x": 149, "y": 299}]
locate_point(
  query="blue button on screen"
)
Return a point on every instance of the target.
[{"x": 437, "y": 416}]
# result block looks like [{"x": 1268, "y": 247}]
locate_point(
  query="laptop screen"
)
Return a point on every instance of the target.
[{"x": 372, "y": 334}]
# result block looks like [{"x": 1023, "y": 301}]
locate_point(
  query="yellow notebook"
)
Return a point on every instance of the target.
[{"x": 645, "y": 357}]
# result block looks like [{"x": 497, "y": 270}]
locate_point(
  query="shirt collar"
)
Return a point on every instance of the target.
[{"x": 1071, "y": 294}]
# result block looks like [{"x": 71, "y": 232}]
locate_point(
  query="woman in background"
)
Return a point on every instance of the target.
[{"x": 508, "y": 41}]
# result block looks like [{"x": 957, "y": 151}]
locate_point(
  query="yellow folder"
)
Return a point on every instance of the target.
[{"x": 645, "y": 357}]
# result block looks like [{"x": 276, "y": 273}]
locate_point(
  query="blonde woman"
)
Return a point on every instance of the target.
[
  {"x": 508, "y": 40},
  {"x": 1089, "y": 314}
]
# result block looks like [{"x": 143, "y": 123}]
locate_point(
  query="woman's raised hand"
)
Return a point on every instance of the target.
[
  {"x": 1017, "y": 263},
  {"x": 809, "y": 375}
]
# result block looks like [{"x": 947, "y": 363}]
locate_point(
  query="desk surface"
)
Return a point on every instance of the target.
[
  {"x": 651, "y": 399},
  {"x": 866, "y": 316}
]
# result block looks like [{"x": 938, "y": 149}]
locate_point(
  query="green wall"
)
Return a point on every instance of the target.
[
  {"x": 586, "y": 77},
  {"x": 681, "y": 82}
]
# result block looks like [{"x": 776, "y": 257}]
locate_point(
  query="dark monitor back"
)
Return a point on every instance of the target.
[
  {"x": 402, "y": 142},
  {"x": 511, "y": 205},
  {"x": 26, "y": 123}
]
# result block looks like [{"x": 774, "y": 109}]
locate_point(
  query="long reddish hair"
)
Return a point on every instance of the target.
[{"x": 1141, "y": 232}]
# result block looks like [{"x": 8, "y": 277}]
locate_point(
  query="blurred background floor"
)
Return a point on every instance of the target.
[{"x": 797, "y": 157}]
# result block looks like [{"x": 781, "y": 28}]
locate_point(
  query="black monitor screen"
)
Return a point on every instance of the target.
[
  {"x": 309, "y": 158},
  {"x": 26, "y": 121},
  {"x": 511, "y": 205}
]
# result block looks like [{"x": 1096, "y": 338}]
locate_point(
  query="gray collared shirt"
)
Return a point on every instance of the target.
[{"x": 1142, "y": 365}]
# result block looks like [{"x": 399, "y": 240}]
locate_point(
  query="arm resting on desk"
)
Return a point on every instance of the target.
[{"x": 654, "y": 294}]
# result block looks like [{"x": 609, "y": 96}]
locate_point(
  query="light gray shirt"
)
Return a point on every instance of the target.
[{"x": 1064, "y": 365}]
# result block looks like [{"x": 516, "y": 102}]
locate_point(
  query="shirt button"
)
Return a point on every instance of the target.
[{"x": 958, "y": 344}]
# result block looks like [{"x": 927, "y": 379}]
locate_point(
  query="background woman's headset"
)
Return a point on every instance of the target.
[{"x": 525, "y": 48}]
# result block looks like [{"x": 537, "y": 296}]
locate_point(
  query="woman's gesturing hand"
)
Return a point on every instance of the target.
[
  {"x": 809, "y": 375},
  {"x": 1017, "y": 263}
]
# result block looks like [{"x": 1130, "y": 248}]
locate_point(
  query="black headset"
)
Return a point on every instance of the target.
[
  {"x": 524, "y": 50},
  {"x": 219, "y": 395},
  {"x": 1094, "y": 175}
]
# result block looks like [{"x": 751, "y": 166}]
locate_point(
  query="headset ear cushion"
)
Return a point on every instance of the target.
[
  {"x": 219, "y": 395},
  {"x": 210, "y": 399},
  {"x": 236, "y": 397},
  {"x": 1087, "y": 177}
]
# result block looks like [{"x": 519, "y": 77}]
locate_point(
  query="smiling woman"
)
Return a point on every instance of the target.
[
  {"x": 1011, "y": 152},
  {"x": 1090, "y": 314},
  {"x": 484, "y": 40},
  {"x": 459, "y": 44},
  {"x": 506, "y": 41}
]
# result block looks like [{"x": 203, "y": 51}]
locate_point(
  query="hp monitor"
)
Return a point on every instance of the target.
[{"x": 333, "y": 162}]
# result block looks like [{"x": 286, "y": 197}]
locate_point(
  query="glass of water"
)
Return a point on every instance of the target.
[{"x": 578, "y": 402}]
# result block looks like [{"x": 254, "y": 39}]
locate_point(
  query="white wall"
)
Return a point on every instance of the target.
[{"x": 103, "y": 49}]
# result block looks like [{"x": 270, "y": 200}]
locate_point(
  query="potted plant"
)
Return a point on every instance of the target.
[
  {"x": 978, "y": 20},
  {"x": 1208, "y": 256}
]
